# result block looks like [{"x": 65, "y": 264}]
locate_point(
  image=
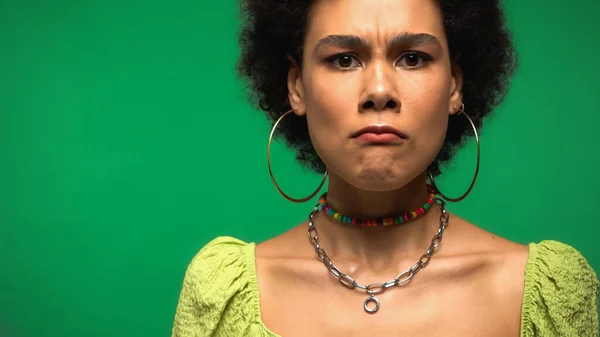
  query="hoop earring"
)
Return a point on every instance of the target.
[
  {"x": 461, "y": 111},
  {"x": 283, "y": 194}
]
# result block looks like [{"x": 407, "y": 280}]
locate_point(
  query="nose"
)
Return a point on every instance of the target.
[{"x": 379, "y": 92}]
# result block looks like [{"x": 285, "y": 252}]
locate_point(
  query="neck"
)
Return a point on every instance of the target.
[{"x": 377, "y": 248}]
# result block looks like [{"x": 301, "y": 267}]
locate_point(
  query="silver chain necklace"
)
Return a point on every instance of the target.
[{"x": 377, "y": 288}]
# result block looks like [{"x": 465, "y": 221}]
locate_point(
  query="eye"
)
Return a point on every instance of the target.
[
  {"x": 344, "y": 61},
  {"x": 413, "y": 60}
]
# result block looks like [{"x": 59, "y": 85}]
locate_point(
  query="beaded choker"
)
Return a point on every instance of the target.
[{"x": 323, "y": 206}]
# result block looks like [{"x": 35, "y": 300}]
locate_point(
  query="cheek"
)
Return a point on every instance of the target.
[
  {"x": 427, "y": 105},
  {"x": 430, "y": 121},
  {"x": 332, "y": 96},
  {"x": 329, "y": 108},
  {"x": 430, "y": 135}
]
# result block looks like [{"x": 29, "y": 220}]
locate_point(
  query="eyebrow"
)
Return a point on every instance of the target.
[{"x": 404, "y": 40}]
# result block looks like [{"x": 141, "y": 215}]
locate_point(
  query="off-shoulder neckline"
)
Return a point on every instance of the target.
[
  {"x": 252, "y": 276},
  {"x": 255, "y": 299}
]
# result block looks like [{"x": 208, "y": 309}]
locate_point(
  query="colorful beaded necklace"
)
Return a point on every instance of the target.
[{"x": 323, "y": 206}]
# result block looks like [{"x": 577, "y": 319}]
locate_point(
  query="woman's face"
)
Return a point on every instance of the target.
[{"x": 375, "y": 63}]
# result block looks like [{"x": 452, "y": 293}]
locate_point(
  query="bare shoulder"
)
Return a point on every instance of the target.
[
  {"x": 502, "y": 261},
  {"x": 290, "y": 244},
  {"x": 466, "y": 238},
  {"x": 285, "y": 257}
]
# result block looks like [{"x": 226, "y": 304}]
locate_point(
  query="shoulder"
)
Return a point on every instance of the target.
[
  {"x": 562, "y": 265},
  {"x": 219, "y": 262},
  {"x": 561, "y": 292},
  {"x": 219, "y": 249},
  {"x": 219, "y": 287}
]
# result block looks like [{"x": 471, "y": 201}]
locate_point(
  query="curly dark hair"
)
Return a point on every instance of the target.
[{"x": 479, "y": 43}]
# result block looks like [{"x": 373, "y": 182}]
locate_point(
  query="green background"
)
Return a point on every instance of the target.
[{"x": 127, "y": 144}]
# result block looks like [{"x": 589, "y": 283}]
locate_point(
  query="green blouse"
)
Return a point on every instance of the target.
[{"x": 219, "y": 296}]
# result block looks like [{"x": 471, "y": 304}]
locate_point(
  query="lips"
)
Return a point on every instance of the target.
[{"x": 379, "y": 131}]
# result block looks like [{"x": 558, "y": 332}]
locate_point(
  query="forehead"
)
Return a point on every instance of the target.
[{"x": 374, "y": 19}]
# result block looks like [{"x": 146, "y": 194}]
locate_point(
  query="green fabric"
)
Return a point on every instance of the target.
[{"x": 219, "y": 296}]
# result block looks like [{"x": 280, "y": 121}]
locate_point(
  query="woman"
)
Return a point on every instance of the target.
[{"x": 378, "y": 94}]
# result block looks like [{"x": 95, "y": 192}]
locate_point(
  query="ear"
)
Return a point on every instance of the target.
[
  {"x": 296, "y": 88},
  {"x": 456, "y": 96}
]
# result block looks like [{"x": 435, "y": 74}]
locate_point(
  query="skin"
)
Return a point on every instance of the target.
[{"x": 373, "y": 62}]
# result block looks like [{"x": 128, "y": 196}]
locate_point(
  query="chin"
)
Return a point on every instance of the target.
[{"x": 381, "y": 179}]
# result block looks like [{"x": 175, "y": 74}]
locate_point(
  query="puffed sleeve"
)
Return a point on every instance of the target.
[
  {"x": 561, "y": 292},
  {"x": 214, "y": 286}
]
